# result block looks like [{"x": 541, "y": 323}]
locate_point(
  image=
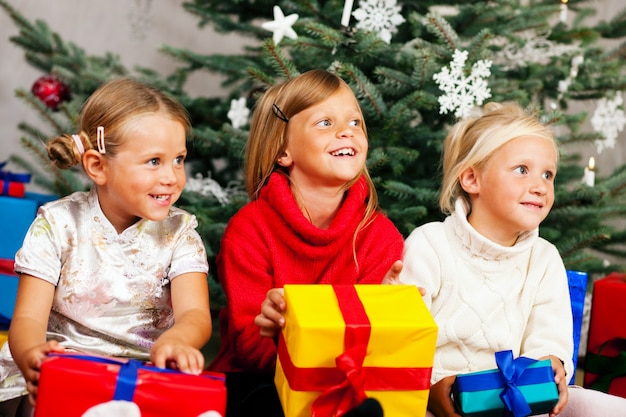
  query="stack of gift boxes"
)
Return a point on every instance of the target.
[{"x": 17, "y": 211}]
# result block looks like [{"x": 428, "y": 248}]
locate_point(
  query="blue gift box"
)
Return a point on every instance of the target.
[
  {"x": 577, "y": 290},
  {"x": 518, "y": 387},
  {"x": 16, "y": 216},
  {"x": 8, "y": 290}
]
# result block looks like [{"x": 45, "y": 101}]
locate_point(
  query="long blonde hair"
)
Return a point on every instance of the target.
[{"x": 474, "y": 139}]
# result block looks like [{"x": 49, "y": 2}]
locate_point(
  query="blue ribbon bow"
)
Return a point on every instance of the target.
[{"x": 512, "y": 370}]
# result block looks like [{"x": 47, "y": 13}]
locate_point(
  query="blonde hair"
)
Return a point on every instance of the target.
[
  {"x": 474, "y": 139},
  {"x": 111, "y": 106}
]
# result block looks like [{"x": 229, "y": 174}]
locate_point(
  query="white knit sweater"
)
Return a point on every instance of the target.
[{"x": 486, "y": 297}]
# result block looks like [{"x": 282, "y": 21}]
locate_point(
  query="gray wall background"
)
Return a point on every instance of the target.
[{"x": 134, "y": 30}]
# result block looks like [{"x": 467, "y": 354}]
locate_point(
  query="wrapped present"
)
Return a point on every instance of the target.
[
  {"x": 518, "y": 387},
  {"x": 16, "y": 216},
  {"x": 12, "y": 184},
  {"x": 8, "y": 291},
  {"x": 577, "y": 290},
  {"x": 608, "y": 371},
  {"x": 12, "y": 189},
  {"x": 83, "y": 382},
  {"x": 605, "y": 361},
  {"x": 4, "y": 336},
  {"x": 344, "y": 343}
]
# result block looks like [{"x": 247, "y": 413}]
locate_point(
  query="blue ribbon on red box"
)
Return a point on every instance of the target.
[
  {"x": 127, "y": 377},
  {"x": 6, "y": 177}
]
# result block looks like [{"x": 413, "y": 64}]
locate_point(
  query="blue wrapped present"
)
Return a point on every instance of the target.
[
  {"x": 16, "y": 216},
  {"x": 8, "y": 291},
  {"x": 518, "y": 387},
  {"x": 577, "y": 290}
]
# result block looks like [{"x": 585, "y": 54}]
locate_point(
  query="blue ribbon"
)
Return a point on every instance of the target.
[
  {"x": 512, "y": 370},
  {"x": 127, "y": 377}
]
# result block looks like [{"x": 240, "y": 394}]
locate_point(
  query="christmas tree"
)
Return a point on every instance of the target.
[{"x": 416, "y": 66}]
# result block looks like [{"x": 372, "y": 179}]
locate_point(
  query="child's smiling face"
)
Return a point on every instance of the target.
[
  {"x": 327, "y": 145},
  {"x": 147, "y": 174}
]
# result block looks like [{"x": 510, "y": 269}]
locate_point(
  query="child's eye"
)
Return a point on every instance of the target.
[
  {"x": 324, "y": 123},
  {"x": 355, "y": 122},
  {"x": 548, "y": 175},
  {"x": 179, "y": 160},
  {"x": 521, "y": 169},
  {"x": 153, "y": 161}
]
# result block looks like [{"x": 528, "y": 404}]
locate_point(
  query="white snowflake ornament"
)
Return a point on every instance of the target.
[
  {"x": 608, "y": 119},
  {"x": 238, "y": 113},
  {"x": 281, "y": 26},
  {"x": 380, "y": 16},
  {"x": 208, "y": 187},
  {"x": 463, "y": 92},
  {"x": 533, "y": 49}
]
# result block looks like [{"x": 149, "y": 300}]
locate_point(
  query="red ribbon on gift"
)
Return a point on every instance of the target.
[
  {"x": 7, "y": 266},
  {"x": 344, "y": 387}
]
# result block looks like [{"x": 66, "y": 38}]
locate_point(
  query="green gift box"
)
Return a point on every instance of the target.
[{"x": 518, "y": 387}]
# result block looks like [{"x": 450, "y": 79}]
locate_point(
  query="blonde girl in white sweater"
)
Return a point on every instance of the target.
[{"x": 491, "y": 282}]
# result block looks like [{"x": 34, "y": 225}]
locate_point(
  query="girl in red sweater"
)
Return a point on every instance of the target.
[{"x": 313, "y": 218}]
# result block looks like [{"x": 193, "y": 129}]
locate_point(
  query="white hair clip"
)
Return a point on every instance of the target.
[
  {"x": 100, "y": 139},
  {"x": 79, "y": 144}
]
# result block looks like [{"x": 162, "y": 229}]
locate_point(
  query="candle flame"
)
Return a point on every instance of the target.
[{"x": 592, "y": 163}]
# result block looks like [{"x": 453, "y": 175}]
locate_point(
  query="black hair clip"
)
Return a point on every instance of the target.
[{"x": 279, "y": 113}]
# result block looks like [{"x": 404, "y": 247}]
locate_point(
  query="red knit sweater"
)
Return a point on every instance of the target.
[{"x": 269, "y": 243}]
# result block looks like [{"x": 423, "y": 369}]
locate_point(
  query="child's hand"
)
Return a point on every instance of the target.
[
  {"x": 560, "y": 378},
  {"x": 440, "y": 398},
  {"x": 171, "y": 353},
  {"x": 271, "y": 319},
  {"x": 393, "y": 275},
  {"x": 32, "y": 360}
]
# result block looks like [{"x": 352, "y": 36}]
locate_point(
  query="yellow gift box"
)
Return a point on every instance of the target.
[
  {"x": 344, "y": 343},
  {"x": 4, "y": 336}
]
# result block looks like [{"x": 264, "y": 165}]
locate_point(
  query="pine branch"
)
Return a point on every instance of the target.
[{"x": 443, "y": 30}]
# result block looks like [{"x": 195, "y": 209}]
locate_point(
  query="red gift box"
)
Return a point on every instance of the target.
[
  {"x": 71, "y": 384},
  {"x": 12, "y": 189},
  {"x": 605, "y": 362},
  {"x": 12, "y": 184}
]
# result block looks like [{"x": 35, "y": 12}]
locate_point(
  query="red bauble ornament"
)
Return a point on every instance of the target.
[{"x": 50, "y": 90}]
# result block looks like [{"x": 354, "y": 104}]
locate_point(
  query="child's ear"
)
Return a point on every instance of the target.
[
  {"x": 469, "y": 181},
  {"x": 94, "y": 165},
  {"x": 285, "y": 160}
]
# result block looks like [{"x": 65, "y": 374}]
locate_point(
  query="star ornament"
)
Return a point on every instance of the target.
[{"x": 281, "y": 25}]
